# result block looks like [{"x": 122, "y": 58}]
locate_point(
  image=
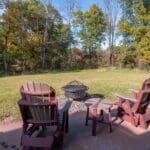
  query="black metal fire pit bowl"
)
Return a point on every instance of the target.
[{"x": 75, "y": 90}]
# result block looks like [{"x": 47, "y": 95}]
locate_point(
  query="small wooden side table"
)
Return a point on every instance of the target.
[
  {"x": 99, "y": 112},
  {"x": 88, "y": 103}
]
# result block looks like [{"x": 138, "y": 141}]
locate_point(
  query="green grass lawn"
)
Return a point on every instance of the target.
[{"x": 103, "y": 82}]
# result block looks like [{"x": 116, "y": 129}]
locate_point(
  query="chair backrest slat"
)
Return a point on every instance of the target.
[
  {"x": 42, "y": 90},
  {"x": 39, "y": 113},
  {"x": 143, "y": 100},
  {"x": 146, "y": 84}
]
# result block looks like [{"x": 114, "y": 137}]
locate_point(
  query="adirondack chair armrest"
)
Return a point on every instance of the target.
[
  {"x": 64, "y": 115},
  {"x": 124, "y": 98},
  {"x": 66, "y": 106},
  {"x": 133, "y": 91},
  {"x": 29, "y": 103}
]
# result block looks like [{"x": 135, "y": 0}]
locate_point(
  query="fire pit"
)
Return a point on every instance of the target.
[{"x": 75, "y": 90}]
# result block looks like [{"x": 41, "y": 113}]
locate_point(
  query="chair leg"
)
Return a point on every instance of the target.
[
  {"x": 87, "y": 117},
  {"x": 67, "y": 122},
  {"x": 133, "y": 122},
  {"x": 110, "y": 120},
  {"x": 119, "y": 112},
  {"x": 61, "y": 141},
  {"x": 25, "y": 148},
  {"x": 102, "y": 114},
  {"x": 63, "y": 122},
  {"x": 58, "y": 141},
  {"x": 143, "y": 124},
  {"x": 43, "y": 127},
  {"x": 94, "y": 122}
]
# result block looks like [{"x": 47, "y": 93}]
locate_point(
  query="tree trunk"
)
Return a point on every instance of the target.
[
  {"x": 112, "y": 44},
  {"x": 5, "y": 56},
  {"x": 5, "y": 61},
  {"x": 112, "y": 11},
  {"x": 90, "y": 56},
  {"x": 45, "y": 43}
]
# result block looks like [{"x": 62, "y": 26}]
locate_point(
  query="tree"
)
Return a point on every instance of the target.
[
  {"x": 135, "y": 24},
  {"x": 27, "y": 40},
  {"x": 69, "y": 7},
  {"x": 111, "y": 8},
  {"x": 91, "y": 26}
]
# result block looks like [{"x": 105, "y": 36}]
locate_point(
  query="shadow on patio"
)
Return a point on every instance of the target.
[{"x": 123, "y": 137}]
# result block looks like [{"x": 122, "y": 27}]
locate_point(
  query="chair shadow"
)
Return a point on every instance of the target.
[
  {"x": 10, "y": 140},
  {"x": 123, "y": 137},
  {"x": 80, "y": 136}
]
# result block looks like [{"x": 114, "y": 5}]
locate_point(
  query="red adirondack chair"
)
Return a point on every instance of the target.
[
  {"x": 39, "y": 107},
  {"x": 135, "y": 111},
  {"x": 43, "y": 114},
  {"x": 32, "y": 89}
]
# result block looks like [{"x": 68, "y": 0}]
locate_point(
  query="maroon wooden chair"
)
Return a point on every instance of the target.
[
  {"x": 32, "y": 89},
  {"x": 42, "y": 114},
  {"x": 35, "y": 91},
  {"x": 136, "y": 111}
]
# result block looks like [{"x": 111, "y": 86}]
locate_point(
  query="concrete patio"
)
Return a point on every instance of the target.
[{"x": 123, "y": 137}]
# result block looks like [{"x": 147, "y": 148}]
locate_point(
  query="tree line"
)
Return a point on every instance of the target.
[{"x": 35, "y": 36}]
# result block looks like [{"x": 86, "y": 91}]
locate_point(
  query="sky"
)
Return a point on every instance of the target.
[{"x": 85, "y": 5}]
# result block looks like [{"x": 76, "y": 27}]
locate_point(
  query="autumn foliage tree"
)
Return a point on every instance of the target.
[
  {"x": 135, "y": 26},
  {"x": 35, "y": 36},
  {"x": 22, "y": 36}
]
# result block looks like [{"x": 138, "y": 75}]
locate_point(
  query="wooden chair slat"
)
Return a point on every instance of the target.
[{"x": 37, "y": 89}]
